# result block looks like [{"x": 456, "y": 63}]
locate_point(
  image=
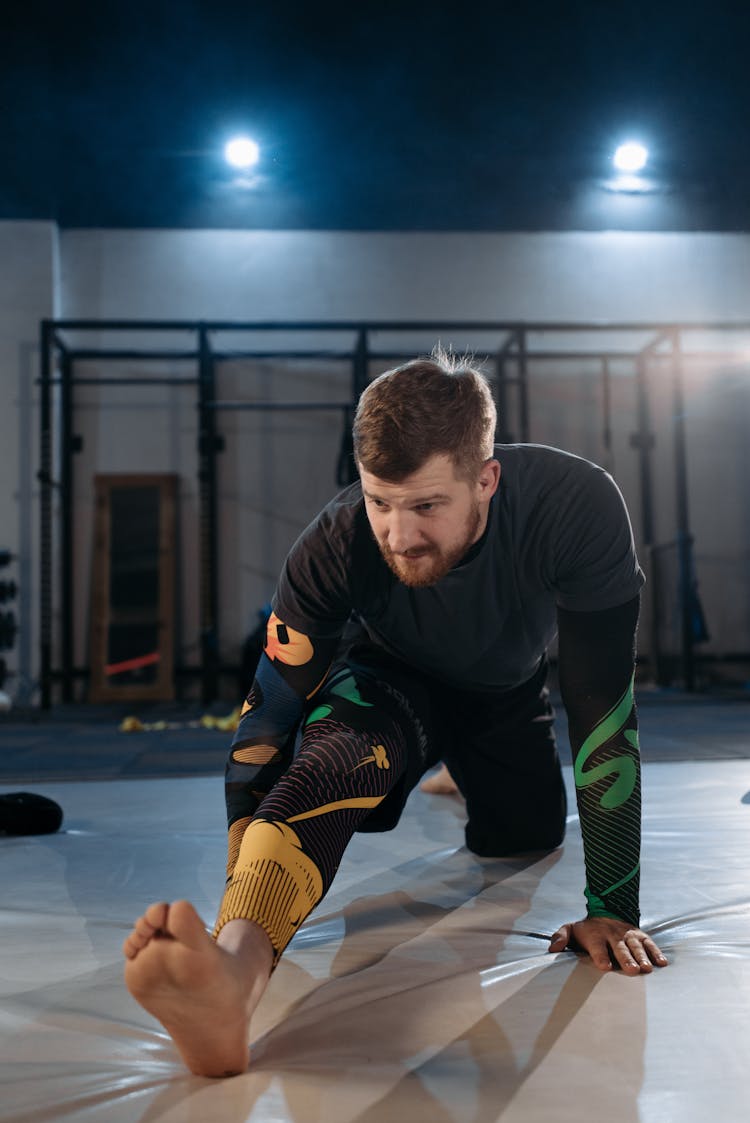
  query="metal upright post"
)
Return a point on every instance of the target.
[
  {"x": 346, "y": 468},
  {"x": 523, "y": 386},
  {"x": 506, "y": 432},
  {"x": 360, "y": 364},
  {"x": 66, "y": 516},
  {"x": 45, "y": 514},
  {"x": 609, "y": 459},
  {"x": 209, "y": 584},
  {"x": 643, "y": 441},
  {"x": 502, "y": 435},
  {"x": 684, "y": 537}
]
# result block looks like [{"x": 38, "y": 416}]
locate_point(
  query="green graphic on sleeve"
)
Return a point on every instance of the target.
[
  {"x": 624, "y": 767},
  {"x": 607, "y": 779},
  {"x": 596, "y": 906}
]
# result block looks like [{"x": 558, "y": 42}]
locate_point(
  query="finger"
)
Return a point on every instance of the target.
[
  {"x": 561, "y": 938},
  {"x": 635, "y": 945},
  {"x": 624, "y": 956},
  {"x": 599, "y": 953},
  {"x": 644, "y": 951},
  {"x": 655, "y": 954}
]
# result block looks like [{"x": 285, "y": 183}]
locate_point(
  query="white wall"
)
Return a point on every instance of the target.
[
  {"x": 277, "y": 470},
  {"x": 285, "y": 275},
  {"x": 28, "y": 265}
]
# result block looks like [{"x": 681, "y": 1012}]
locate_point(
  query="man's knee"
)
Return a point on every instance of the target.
[
  {"x": 489, "y": 841},
  {"x": 512, "y": 826}
]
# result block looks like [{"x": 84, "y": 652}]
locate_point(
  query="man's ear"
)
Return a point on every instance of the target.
[{"x": 489, "y": 478}]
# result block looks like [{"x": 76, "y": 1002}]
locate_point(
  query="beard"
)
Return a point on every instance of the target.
[{"x": 430, "y": 564}]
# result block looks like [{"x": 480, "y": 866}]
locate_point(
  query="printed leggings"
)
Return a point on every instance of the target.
[{"x": 374, "y": 730}]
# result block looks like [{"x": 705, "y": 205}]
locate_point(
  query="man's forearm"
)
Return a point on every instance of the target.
[
  {"x": 596, "y": 679},
  {"x": 608, "y": 791}
]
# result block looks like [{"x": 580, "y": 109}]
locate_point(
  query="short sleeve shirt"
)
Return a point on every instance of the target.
[{"x": 558, "y": 534}]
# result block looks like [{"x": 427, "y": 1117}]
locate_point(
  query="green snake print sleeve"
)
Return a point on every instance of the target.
[{"x": 596, "y": 665}]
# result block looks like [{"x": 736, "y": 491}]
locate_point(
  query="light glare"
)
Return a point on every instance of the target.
[
  {"x": 241, "y": 152},
  {"x": 630, "y": 157}
]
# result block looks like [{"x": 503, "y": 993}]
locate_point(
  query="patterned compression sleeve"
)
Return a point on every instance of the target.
[
  {"x": 596, "y": 666},
  {"x": 352, "y": 754},
  {"x": 290, "y": 670}
]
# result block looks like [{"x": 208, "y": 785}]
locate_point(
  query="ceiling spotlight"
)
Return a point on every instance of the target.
[
  {"x": 630, "y": 157},
  {"x": 241, "y": 152}
]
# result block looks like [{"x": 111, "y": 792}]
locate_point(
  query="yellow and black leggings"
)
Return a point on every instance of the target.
[
  {"x": 352, "y": 753},
  {"x": 366, "y": 739}
]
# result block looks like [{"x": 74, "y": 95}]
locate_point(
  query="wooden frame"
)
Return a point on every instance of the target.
[{"x": 132, "y": 644}]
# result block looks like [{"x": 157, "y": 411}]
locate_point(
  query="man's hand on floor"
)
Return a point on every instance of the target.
[{"x": 610, "y": 943}]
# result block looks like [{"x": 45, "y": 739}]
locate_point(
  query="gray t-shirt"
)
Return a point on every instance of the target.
[{"x": 558, "y": 534}]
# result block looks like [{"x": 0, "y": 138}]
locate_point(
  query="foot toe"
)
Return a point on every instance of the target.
[
  {"x": 156, "y": 915},
  {"x": 185, "y": 925},
  {"x": 143, "y": 930}
]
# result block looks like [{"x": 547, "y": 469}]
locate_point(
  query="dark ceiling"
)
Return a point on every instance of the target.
[{"x": 375, "y": 115}]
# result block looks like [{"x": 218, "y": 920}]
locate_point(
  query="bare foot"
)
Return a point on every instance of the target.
[
  {"x": 203, "y": 993},
  {"x": 440, "y": 783}
]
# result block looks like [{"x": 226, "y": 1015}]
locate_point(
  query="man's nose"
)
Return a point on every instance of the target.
[{"x": 402, "y": 532}]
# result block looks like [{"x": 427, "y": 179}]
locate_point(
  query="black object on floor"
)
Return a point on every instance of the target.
[{"x": 26, "y": 813}]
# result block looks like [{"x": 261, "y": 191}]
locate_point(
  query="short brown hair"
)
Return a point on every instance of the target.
[{"x": 433, "y": 405}]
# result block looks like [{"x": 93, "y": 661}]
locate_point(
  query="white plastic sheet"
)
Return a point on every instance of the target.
[{"x": 421, "y": 988}]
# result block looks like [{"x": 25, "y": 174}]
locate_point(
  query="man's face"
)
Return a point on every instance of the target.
[{"x": 426, "y": 523}]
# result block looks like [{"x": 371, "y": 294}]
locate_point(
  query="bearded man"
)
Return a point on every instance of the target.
[{"x": 410, "y": 625}]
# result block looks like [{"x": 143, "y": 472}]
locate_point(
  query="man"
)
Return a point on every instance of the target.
[{"x": 410, "y": 625}]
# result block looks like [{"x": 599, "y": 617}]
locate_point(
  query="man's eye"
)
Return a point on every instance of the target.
[{"x": 426, "y": 507}]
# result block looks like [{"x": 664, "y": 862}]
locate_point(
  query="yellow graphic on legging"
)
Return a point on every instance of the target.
[
  {"x": 379, "y": 758},
  {"x": 360, "y": 801},
  {"x": 286, "y": 645},
  {"x": 274, "y": 883},
  {"x": 256, "y": 754}
]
